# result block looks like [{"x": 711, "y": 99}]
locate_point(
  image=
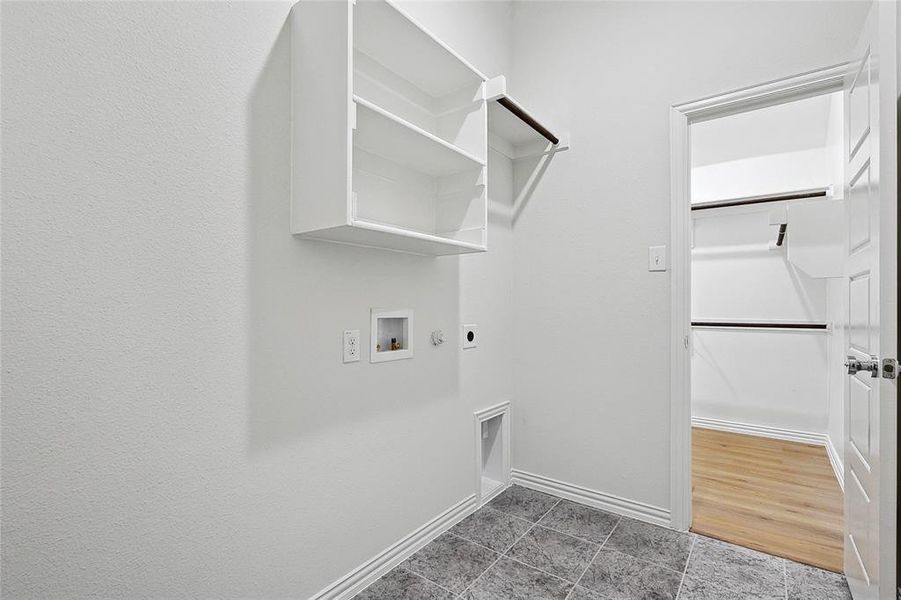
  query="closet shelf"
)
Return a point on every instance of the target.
[
  {"x": 380, "y": 132},
  {"x": 512, "y": 130}
]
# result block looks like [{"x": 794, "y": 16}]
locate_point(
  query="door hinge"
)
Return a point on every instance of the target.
[{"x": 889, "y": 368}]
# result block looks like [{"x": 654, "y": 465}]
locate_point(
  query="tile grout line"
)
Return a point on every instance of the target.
[
  {"x": 559, "y": 500},
  {"x": 548, "y": 511},
  {"x": 525, "y": 564},
  {"x": 499, "y": 554},
  {"x": 607, "y": 539},
  {"x": 534, "y": 568},
  {"x": 426, "y": 579},
  {"x": 575, "y": 537},
  {"x": 459, "y": 537},
  {"x": 506, "y": 514},
  {"x": 538, "y": 523},
  {"x": 593, "y": 558},
  {"x": 473, "y": 582},
  {"x": 640, "y": 558},
  {"x": 504, "y": 553},
  {"x": 421, "y": 576},
  {"x": 694, "y": 541}
]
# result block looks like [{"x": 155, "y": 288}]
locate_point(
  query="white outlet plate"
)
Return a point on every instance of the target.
[
  {"x": 351, "y": 345},
  {"x": 470, "y": 336},
  {"x": 657, "y": 258}
]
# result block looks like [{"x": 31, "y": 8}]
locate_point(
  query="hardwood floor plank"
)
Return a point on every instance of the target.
[{"x": 774, "y": 496}]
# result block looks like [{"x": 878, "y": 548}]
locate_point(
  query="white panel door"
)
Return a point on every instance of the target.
[{"x": 870, "y": 420}]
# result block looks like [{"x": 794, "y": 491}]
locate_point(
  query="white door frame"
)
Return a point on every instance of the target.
[{"x": 813, "y": 83}]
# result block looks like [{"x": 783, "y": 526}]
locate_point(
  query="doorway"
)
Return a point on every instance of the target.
[
  {"x": 869, "y": 509},
  {"x": 768, "y": 293}
]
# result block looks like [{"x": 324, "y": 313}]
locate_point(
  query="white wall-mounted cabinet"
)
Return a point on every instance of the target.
[{"x": 389, "y": 132}]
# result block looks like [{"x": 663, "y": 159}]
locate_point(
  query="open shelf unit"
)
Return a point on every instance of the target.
[{"x": 389, "y": 132}]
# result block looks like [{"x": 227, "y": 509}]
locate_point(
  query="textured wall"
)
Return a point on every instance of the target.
[
  {"x": 176, "y": 417},
  {"x": 592, "y": 324}
]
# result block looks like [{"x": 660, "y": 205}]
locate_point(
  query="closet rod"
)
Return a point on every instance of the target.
[
  {"x": 799, "y": 195},
  {"x": 782, "y": 229},
  {"x": 527, "y": 119},
  {"x": 747, "y": 325}
]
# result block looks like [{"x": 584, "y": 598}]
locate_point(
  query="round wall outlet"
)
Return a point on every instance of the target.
[{"x": 470, "y": 336}]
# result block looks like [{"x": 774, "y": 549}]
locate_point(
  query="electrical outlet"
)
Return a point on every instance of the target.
[
  {"x": 351, "y": 345},
  {"x": 470, "y": 336}
]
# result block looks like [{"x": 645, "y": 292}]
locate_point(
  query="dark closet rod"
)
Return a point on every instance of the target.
[
  {"x": 746, "y": 325},
  {"x": 527, "y": 119},
  {"x": 782, "y": 229},
  {"x": 799, "y": 195}
]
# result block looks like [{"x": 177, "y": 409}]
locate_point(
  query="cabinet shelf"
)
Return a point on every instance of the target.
[
  {"x": 378, "y": 235},
  {"x": 387, "y": 135},
  {"x": 384, "y": 32}
]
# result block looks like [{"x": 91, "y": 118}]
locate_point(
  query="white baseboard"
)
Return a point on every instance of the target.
[
  {"x": 593, "y": 498},
  {"x": 838, "y": 463},
  {"x": 364, "y": 575},
  {"x": 778, "y": 433}
]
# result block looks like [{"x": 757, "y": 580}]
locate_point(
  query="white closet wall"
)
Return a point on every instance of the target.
[{"x": 757, "y": 377}]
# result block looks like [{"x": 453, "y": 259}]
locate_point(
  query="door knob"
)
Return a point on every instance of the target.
[{"x": 856, "y": 365}]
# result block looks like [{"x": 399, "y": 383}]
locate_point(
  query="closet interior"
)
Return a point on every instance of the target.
[{"x": 769, "y": 320}]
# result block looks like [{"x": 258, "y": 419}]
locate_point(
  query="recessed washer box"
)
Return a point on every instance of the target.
[{"x": 391, "y": 334}]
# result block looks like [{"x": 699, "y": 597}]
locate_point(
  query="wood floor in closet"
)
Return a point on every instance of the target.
[{"x": 770, "y": 495}]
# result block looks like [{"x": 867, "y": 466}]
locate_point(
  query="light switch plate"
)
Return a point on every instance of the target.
[
  {"x": 657, "y": 258},
  {"x": 470, "y": 336},
  {"x": 351, "y": 345}
]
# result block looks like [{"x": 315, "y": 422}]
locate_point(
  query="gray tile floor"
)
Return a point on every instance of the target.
[{"x": 529, "y": 545}]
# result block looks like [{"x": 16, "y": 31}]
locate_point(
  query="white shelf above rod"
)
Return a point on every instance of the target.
[{"x": 520, "y": 133}]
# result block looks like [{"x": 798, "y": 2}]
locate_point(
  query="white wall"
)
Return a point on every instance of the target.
[
  {"x": 176, "y": 418},
  {"x": 777, "y": 149},
  {"x": 757, "y": 377},
  {"x": 759, "y": 175},
  {"x": 591, "y": 355}
]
